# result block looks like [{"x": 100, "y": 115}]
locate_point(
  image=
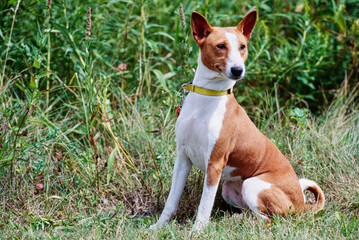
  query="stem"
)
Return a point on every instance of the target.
[
  {"x": 48, "y": 67},
  {"x": 302, "y": 44},
  {"x": 276, "y": 100},
  {"x": 95, "y": 157},
  {"x": 125, "y": 45},
  {"x": 158, "y": 173},
  {"x": 143, "y": 45},
  {"x": 14, "y": 146},
  {"x": 8, "y": 44}
]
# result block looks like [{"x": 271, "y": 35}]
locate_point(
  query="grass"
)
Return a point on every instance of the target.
[
  {"x": 324, "y": 149},
  {"x": 88, "y": 113}
]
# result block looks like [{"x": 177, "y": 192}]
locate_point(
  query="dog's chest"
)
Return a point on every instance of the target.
[{"x": 198, "y": 127}]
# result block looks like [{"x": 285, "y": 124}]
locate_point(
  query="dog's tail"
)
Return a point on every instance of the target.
[{"x": 318, "y": 193}]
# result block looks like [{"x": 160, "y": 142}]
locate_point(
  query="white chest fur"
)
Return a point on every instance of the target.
[{"x": 198, "y": 127}]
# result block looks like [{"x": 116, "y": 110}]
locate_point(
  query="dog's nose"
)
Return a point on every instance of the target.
[{"x": 236, "y": 71}]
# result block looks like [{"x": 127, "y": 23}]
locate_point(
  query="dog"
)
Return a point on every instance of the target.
[{"x": 214, "y": 133}]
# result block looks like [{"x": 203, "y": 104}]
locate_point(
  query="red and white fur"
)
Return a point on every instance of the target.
[{"x": 215, "y": 134}]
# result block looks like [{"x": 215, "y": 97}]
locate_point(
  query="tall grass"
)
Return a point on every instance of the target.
[{"x": 87, "y": 113}]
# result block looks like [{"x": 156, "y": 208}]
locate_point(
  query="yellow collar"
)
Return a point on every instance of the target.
[{"x": 208, "y": 92}]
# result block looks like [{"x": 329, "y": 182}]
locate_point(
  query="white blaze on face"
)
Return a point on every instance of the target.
[{"x": 234, "y": 57}]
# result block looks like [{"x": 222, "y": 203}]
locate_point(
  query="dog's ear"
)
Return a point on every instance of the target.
[
  {"x": 247, "y": 24},
  {"x": 200, "y": 28}
]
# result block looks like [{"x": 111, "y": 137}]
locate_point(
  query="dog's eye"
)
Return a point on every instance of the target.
[
  {"x": 221, "y": 46},
  {"x": 243, "y": 46}
]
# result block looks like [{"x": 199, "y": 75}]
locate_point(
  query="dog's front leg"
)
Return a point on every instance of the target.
[
  {"x": 180, "y": 174},
  {"x": 210, "y": 186}
]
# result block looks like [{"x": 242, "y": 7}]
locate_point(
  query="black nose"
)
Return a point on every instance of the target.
[{"x": 236, "y": 71}]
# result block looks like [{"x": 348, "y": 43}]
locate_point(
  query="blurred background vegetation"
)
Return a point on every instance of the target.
[{"x": 88, "y": 93}]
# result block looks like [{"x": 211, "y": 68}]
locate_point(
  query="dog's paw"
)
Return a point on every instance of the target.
[
  {"x": 157, "y": 225},
  {"x": 196, "y": 230},
  {"x": 198, "y": 226},
  {"x": 154, "y": 227}
]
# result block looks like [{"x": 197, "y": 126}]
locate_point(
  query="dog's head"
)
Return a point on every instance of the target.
[{"x": 224, "y": 50}]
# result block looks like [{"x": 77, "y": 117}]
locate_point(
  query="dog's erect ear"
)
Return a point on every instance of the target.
[
  {"x": 247, "y": 24},
  {"x": 200, "y": 28}
]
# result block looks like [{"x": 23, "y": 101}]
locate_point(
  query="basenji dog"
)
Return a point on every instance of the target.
[{"x": 214, "y": 133}]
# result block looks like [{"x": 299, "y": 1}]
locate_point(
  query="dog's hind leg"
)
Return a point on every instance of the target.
[
  {"x": 264, "y": 198},
  {"x": 251, "y": 189},
  {"x": 180, "y": 174},
  {"x": 232, "y": 193}
]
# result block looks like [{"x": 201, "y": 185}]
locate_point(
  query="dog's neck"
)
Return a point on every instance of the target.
[{"x": 209, "y": 79}]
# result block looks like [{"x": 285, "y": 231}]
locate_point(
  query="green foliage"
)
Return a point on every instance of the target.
[{"x": 88, "y": 111}]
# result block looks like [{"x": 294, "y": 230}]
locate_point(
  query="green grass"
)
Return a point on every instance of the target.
[{"x": 87, "y": 148}]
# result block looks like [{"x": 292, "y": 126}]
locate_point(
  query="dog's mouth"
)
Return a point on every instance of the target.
[
  {"x": 219, "y": 68},
  {"x": 236, "y": 78}
]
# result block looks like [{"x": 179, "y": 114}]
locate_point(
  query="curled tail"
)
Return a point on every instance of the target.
[{"x": 318, "y": 193}]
